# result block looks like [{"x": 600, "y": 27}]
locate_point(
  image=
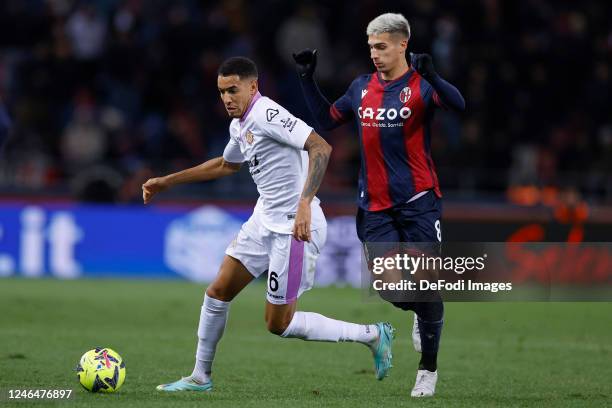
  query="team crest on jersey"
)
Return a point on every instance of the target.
[
  {"x": 249, "y": 137},
  {"x": 404, "y": 96}
]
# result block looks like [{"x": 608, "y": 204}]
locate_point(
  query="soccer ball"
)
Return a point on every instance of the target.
[{"x": 101, "y": 370}]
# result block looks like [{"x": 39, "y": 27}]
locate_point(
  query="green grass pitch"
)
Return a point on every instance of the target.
[{"x": 492, "y": 354}]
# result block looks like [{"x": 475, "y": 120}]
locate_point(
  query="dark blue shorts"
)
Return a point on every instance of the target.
[
  {"x": 414, "y": 222},
  {"x": 417, "y": 221}
]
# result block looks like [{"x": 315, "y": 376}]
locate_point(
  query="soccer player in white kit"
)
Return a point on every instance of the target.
[{"x": 282, "y": 238}]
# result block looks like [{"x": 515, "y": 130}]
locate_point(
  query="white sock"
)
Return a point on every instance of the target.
[
  {"x": 213, "y": 318},
  {"x": 315, "y": 327}
]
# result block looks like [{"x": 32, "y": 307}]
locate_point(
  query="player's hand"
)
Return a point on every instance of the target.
[
  {"x": 305, "y": 62},
  {"x": 423, "y": 65},
  {"x": 301, "y": 228},
  {"x": 152, "y": 187}
]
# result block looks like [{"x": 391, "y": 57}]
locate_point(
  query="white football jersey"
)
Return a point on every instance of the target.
[{"x": 271, "y": 140}]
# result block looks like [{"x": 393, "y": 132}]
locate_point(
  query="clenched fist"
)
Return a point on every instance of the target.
[
  {"x": 423, "y": 65},
  {"x": 152, "y": 187},
  {"x": 306, "y": 62}
]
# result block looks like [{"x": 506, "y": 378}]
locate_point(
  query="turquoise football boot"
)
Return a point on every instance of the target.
[
  {"x": 185, "y": 384},
  {"x": 381, "y": 350}
]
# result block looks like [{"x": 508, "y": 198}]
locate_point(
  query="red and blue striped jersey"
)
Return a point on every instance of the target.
[{"x": 394, "y": 121}]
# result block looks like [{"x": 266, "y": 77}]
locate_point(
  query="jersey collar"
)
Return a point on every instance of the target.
[
  {"x": 253, "y": 100},
  {"x": 387, "y": 84}
]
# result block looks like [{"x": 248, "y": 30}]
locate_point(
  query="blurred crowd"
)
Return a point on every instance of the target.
[{"x": 106, "y": 93}]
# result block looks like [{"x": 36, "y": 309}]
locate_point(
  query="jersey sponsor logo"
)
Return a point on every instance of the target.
[
  {"x": 250, "y": 137},
  {"x": 405, "y": 94},
  {"x": 289, "y": 124},
  {"x": 253, "y": 163},
  {"x": 383, "y": 113},
  {"x": 271, "y": 114},
  {"x": 363, "y": 93}
]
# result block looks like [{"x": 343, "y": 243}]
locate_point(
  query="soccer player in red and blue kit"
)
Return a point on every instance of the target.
[{"x": 399, "y": 195}]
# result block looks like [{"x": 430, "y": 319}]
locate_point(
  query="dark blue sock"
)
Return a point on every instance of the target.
[{"x": 430, "y": 320}]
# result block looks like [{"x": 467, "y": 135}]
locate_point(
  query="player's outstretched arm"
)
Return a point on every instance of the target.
[
  {"x": 209, "y": 170},
  {"x": 447, "y": 93},
  {"x": 318, "y": 156},
  {"x": 319, "y": 106}
]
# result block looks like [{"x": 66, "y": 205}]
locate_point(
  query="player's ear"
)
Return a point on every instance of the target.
[{"x": 254, "y": 86}]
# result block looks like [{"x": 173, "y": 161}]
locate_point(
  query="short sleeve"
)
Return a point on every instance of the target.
[
  {"x": 232, "y": 153},
  {"x": 277, "y": 123}
]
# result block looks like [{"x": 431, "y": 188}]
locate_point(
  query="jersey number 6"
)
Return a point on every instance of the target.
[{"x": 272, "y": 282}]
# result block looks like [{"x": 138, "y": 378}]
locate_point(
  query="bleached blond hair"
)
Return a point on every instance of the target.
[{"x": 389, "y": 23}]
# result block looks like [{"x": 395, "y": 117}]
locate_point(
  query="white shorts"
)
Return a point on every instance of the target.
[{"x": 290, "y": 263}]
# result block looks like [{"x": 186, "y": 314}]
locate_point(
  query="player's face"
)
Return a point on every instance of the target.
[
  {"x": 236, "y": 93},
  {"x": 387, "y": 50}
]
